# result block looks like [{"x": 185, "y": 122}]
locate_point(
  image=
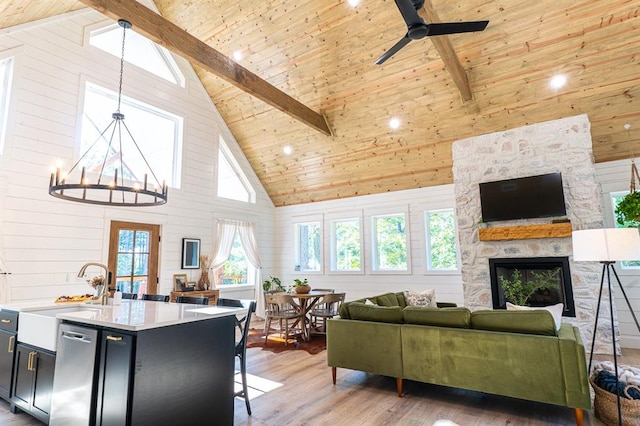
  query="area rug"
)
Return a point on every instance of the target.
[{"x": 275, "y": 343}]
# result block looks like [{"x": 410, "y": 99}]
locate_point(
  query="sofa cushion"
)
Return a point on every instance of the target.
[
  {"x": 555, "y": 310},
  {"x": 360, "y": 311},
  {"x": 525, "y": 322},
  {"x": 421, "y": 298},
  {"x": 401, "y": 300},
  {"x": 387, "y": 299},
  {"x": 445, "y": 317},
  {"x": 344, "y": 308}
]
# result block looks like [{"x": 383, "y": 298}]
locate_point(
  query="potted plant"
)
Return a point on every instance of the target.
[
  {"x": 301, "y": 286},
  {"x": 518, "y": 291},
  {"x": 628, "y": 210},
  {"x": 273, "y": 283}
]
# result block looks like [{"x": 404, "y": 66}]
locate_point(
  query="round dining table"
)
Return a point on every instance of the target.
[{"x": 307, "y": 301}]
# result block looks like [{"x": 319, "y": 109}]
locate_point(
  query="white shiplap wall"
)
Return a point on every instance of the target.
[
  {"x": 614, "y": 177},
  {"x": 44, "y": 241},
  {"x": 448, "y": 285}
]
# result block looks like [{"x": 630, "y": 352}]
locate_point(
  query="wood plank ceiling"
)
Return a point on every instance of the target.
[{"x": 321, "y": 53}]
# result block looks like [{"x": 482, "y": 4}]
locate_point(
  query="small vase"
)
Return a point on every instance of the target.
[
  {"x": 99, "y": 289},
  {"x": 203, "y": 282}
]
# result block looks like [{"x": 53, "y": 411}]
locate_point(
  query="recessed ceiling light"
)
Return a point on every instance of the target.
[
  {"x": 237, "y": 55},
  {"x": 394, "y": 123},
  {"x": 353, "y": 3},
  {"x": 287, "y": 150},
  {"x": 558, "y": 81}
]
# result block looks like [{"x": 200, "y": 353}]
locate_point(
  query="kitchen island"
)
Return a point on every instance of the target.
[{"x": 140, "y": 363}]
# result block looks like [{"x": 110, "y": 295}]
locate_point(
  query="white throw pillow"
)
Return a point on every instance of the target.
[
  {"x": 421, "y": 298},
  {"x": 555, "y": 310}
]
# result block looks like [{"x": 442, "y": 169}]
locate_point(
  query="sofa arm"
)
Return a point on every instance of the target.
[{"x": 574, "y": 367}]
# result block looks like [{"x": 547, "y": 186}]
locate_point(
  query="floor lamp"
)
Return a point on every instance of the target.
[{"x": 607, "y": 246}]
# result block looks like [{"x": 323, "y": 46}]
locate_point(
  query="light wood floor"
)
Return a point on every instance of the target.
[{"x": 299, "y": 392}]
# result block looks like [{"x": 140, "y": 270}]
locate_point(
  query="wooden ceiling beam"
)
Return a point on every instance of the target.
[
  {"x": 447, "y": 53},
  {"x": 174, "y": 38}
]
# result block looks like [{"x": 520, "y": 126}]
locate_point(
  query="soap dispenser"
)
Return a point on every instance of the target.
[{"x": 117, "y": 297}]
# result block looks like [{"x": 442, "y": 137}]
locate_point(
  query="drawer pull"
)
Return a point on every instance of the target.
[
  {"x": 11, "y": 340},
  {"x": 6, "y": 321},
  {"x": 114, "y": 338}
]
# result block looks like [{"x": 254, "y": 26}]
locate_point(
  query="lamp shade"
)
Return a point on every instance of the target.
[{"x": 606, "y": 245}]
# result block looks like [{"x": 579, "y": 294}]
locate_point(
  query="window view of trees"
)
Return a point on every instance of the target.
[
  {"x": 235, "y": 269},
  {"x": 441, "y": 240},
  {"x": 309, "y": 246},
  {"x": 133, "y": 261},
  {"x": 390, "y": 242},
  {"x": 345, "y": 250},
  {"x": 616, "y": 197}
]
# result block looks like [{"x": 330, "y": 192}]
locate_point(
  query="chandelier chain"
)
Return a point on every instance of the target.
[{"x": 124, "y": 34}]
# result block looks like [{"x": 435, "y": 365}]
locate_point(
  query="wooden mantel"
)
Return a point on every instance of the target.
[{"x": 524, "y": 232}]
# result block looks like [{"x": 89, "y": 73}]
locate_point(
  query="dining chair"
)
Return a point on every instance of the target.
[
  {"x": 328, "y": 307},
  {"x": 156, "y": 297},
  {"x": 242, "y": 325},
  {"x": 194, "y": 300},
  {"x": 133, "y": 296},
  {"x": 282, "y": 307}
]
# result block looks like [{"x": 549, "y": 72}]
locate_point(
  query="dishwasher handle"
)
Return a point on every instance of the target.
[{"x": 78, "y": 337}]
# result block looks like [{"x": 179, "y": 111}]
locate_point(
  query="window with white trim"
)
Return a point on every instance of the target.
[
  {"x": 308, "y": 244},
  {"x": 389, "y": 241},
  {"x": 237, "y": 269},
  {"x": 346, "y": 245},
  {"x": 232, "y": 182},
  {"x": 440, "y": 233},
  {"x": 139, "y": 51},
  {"x": 157, "y": 133},
  {"x": 6, "y": 72},
  {"x": 616, "y": 197}
]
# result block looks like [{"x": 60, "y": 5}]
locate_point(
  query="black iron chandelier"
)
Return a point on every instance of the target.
[{"x": 109, "y": 190}]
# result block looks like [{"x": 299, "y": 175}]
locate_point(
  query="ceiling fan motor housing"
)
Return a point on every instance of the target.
[{"x": 418, "y": 31}]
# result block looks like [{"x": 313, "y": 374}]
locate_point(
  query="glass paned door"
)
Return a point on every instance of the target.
[{"x": 133, "y": 255}]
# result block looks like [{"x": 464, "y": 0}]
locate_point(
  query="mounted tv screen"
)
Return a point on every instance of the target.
[{"x": 522, "y": 198}]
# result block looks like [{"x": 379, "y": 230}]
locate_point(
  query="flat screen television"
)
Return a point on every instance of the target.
[{"x": 523, "y": 198}]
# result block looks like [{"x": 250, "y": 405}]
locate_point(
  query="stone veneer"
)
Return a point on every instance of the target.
[{"x": 555, "y": 146}]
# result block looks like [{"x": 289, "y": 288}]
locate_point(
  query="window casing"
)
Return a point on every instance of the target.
[
  {"x": 390, "y": 247},
  {"x": 232, "y": 182},
  {"x": 441, "y": 241},
  {"x": 346, "y": 245},
  {"x": 6, "y": 73},
  {"x": 157, "y": 133},
  {"x": 139, "y": 51},
  {"x": 308, "y": 244}
]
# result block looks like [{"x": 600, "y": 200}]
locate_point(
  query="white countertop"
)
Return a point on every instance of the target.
[{"x": 133, "y": 315}]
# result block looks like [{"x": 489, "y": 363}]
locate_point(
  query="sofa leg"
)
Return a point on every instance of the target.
[
  {"x": 399, "y": 386},
  {"x": 333, "y": 374},
  {"x": 579, "y": 416}
]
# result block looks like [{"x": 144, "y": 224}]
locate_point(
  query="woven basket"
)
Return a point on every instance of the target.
[{"x": 605, "y": 406}]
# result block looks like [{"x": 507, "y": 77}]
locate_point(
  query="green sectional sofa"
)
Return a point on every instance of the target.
[{"x": 518, "y": 354}]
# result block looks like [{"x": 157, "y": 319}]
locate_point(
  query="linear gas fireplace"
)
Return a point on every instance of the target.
[{"x": 554, "y": 271}]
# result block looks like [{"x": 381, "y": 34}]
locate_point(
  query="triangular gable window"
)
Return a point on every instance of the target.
[
  {"x": 139, "y": 51},
  {"x": 232, "y": 182}
]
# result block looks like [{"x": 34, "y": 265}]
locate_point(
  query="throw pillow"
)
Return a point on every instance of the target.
[
  {"x": 424, "y": 298},
  {"x": 369, "y": 302},
  {"x": 555, "y": 310}
]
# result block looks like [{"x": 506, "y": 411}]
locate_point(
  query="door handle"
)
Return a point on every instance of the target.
[
  {"x": 6, "y": 321},
  {"x": 114, "y": 338},
  {"x": 32, "y": 358},
  {"x": 11, "y": 340}
]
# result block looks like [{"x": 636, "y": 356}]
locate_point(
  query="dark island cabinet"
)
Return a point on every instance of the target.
[
  {"x": 33, "y": 380},
  {"x": 8, "y": 331},
  {"x": 114, "y": 377}
]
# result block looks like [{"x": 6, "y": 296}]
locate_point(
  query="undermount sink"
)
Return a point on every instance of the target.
[{"x": 40, "y": 328}]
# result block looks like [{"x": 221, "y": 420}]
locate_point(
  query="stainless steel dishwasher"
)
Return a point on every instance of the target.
[{"x": 71, "y": 401}]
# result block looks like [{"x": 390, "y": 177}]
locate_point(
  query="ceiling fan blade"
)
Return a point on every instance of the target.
[
  {"x": 409, "y": 12},
  {"x": 389, "y": 53},
  {"x": 444, "y": 28}
]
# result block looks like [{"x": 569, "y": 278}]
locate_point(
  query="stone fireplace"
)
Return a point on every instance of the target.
[
  {"x": 563, "y": 146},
  {"x": 551, "y": 270}
]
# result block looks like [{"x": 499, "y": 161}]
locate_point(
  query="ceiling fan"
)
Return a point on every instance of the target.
[{"x": 418, "y": 28}]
